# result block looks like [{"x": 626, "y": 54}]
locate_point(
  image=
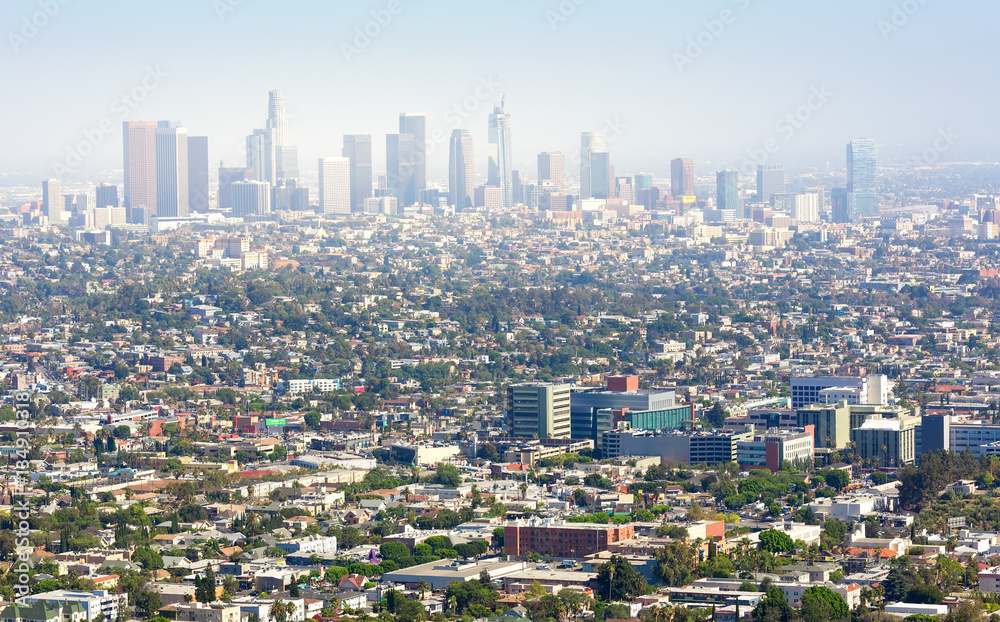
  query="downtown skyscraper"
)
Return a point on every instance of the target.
[
  {"x": 406, "y": 159},
  {"x": 197, "y": 148},
  {"x": 499, "y": 171},
  {"x": 552, "y": 167},
  {"x": 171, "y": 170},
  {"x": 461, "y": 170},
  {"x": 770, "y": 181},
  {"x": 862, "y": 177},
  {"x": 682, "y": 177},
  {"x": 335, "y": 185},
  {"x": 358, "y": 149},
  {"x": 139, "y": 160},
  {"x": 590, "y": 143},
  {"x": 286, "y": 156},
  {"x": 727, "y": 195}
]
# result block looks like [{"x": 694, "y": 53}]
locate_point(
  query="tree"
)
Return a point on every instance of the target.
[
  {"x": 774, "y": 608},
  {"x": 695, "y": 513},
  {"x": 448, "y": 475},
  {"x": 675, "y": 564},
  {"x": 925, "y": 594},
  {"x": 620, "y": 580},
  {"x": 396, "y": 551},
  {"x": 837, "y": 479},
  {"x": 774, "y": 541},
  {"x": 312, "y": 419},
  {"x": 821, "y": 604},
  {"x": 204, "y": 586},
  {"x": 879, "y": 478}
]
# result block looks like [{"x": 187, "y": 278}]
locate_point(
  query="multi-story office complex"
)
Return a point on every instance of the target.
[
  {"x": 560, "y": 539},
  {"x": 641, "y": 182},
  {"x": 499, "y": 171},
  {"x": 139, "y": 166},
  {"x": 601, "y": 176},
  {"x": 710, "y": 447},
  {"x": 552, "y": 167},
  {"x": 411, "y": 156},
  {"x": 727, "y": 195},
  {"x": 862, "y": 176},
  {"x": 805, "y": 207},
  {"x": 52, "y": 200},
  {"x": 590, "y": 143},
  {"x": 107, "y": 195},
  {"x": 97, "y": 604},
  {"x": 770, "y": 448},
  {"x": 891, "y": 442},
  {"x": 842, "y": 206},
  {"x": 872, "y": 389},
  {"x": 621, "y": 393},
  {"x": 197, "y": 155},
  {"x": 538, "y": 409},
  {"x": 250, "y": 198},
  {"x": 226, "y": 178},
  {"x": 681, "y": 177},
  {"x": 335, "y": 185},
  {"x": 171, "y": 170},
  {"x": 358, "y": 149},
  {"x": 399, "y": 156},
  {"x": 461, "y": 170},
  {"x": 831, "y": 423},
  {"x": 260, "y": 155},
  {"x": 770, "y": 180}
]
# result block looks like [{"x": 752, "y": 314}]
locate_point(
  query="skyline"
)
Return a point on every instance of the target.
[{"x": 852, "y": 76}]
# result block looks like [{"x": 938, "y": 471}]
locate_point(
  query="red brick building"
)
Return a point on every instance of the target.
[{"x": 557, "y": 539}]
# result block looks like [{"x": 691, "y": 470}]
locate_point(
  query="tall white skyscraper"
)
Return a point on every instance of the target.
[
  {"x": 139, "y": 161},
  {"x": 171, "y": 169},
  {"x": 499, "y": 172},
  {"x": 461, "y": 170},
  {"x": 335, "y": 185},
  {"x": 590, "y": 142},
  {"x": 52, "y": 200},
  {"x": 286, "y": 155},
  {"x": 251, "y": 198}
]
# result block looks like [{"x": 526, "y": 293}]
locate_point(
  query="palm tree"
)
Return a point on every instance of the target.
[{"x": 423, "y": 586}]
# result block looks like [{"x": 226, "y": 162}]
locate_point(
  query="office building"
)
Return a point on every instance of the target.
[
  {"x": 334, "y": 185},
  {"x": 107, "y": 196},
  {"x": 538, "y": 409},
  {"x": 400, "y": 152},
  {"x": 381, "y": 205},
  {"x": 226, "y": 178},
  {"x": 831, "y": 423},
  {"x": 770, "y": 448},
  {"x": 805, "y": 207},
  {"x": 461, "y": 170},
  {"x": 641, "y": 183},
  {"x": 84, "y": 202},
  {"x": 52, "y": 200},
  {"x": 935, "y": 432},
  {"x": 682, "y": 177},
  {"x": 416, "y": 159},
  {"x": 499, "y": 170},
  {"x": 727, "y": 195},
  {"x": 489, "y": 197},
  {"x": 260, "y": 155},
  {"x": 590, "y": 143},
  {"x": 862, "y": 176},
  {"x": 601, "y": 175},
  {"x": 843, "y": 208},
  {"x": 171, "y": 170},
  {"x": 197, "y": 173},
  {"x": 770, "y": 180},
  {"x": 552, "y": 167},
  {"x": 559, "y": 539},
  {"x": 250, "y": 198},
  {"x": 677, "y": 447},
  {"x": 286, "y": 156},
  {"x": 358, "y": 149},
  {"x": 890, "y": 442},
  {"x": 872, "y": 389},
  {"x": 139, "y": 166},
  {"x": 96, "y": 604},
  {"x": 621, "y": 393}
]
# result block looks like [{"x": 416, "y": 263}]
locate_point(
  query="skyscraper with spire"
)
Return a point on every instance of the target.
[
  {"x": 285, "y": 155},
  {"x": 499, "y": 173}
]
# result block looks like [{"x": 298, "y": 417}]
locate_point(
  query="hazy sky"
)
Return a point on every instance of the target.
[{"x": 900, "y": 72}]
